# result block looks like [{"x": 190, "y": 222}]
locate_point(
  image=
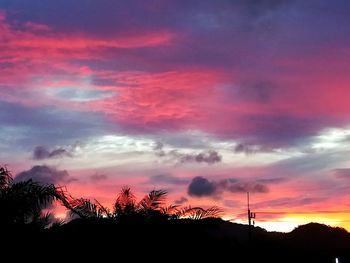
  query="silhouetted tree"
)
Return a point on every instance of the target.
[
  {"x": 85, "y": 208},
  {"x": 22, "y": 202},
  {"x": 150, "y": 206},
  {"x": 125, "y": 204},
  {"x": 198, "y": 212}
]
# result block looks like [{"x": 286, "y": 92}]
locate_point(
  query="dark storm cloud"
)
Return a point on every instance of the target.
[
  {"x": 45, "y": 174},
  {"x": 41, "y": 152},
  {"x": 201, "y": 187}
]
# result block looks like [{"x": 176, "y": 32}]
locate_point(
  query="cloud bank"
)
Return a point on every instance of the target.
[
  {"x": 202, "y": 187},
  {"x": 45, "y": 174}
]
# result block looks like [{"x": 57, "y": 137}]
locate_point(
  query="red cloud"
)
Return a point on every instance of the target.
[
  {"x": 168, "y": 100},
  {"x": 240, "y": 104}
]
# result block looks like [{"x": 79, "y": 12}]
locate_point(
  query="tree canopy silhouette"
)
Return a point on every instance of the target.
[
  {"x": 157, "y": 228},
  {"x": 151, "y": 206},
  {"x": 22, "y": 202}
]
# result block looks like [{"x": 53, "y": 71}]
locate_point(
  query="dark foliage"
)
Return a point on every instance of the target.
[
  {"x": 22, "y": 202},
  {"x": 147, "y": 230}
]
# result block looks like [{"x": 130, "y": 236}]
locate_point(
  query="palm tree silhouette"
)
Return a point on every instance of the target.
[
  {"x": 125, "y": 204},
  {"x": 150, "y": 206},
  {"x": 197, "y": 213},
  {"x": 23, "y": 202}
]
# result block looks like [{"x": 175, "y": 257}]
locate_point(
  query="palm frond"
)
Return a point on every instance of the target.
[
  {"x": 153, "y": 201},
  {"x": 58, "y": 223},
  {"x": 84, "y": 208},
  {"x": 199, "y": 212},
  {"x": 170, "y": 210},
  {"x": 125, "y": 203},
  {"x": 211, "y": 212},
  {"x": 183, "y": 212},
  {"x": 23, "y": 201},
  {"x": 126, "y": 195},
  {"x": 102, "y": 210},
  {"x": 44, "y": 220}
]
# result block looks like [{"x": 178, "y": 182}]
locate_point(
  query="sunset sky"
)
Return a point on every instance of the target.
[{"x": 205, "y": 99}]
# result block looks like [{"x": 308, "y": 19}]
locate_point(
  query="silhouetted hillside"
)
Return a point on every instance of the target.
[
  {"x": 320, "y": 239},
  {"x": 146, "y": 230},
  {"x": 160, "y": 240}
]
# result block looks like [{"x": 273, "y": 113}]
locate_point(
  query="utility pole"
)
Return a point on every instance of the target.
[{"x": 251, "y": 216}]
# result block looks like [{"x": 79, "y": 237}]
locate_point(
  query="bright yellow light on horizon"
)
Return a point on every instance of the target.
[{"x": 291, "y": 221}]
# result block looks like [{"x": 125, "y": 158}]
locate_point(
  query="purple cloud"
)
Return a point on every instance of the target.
[
  {"x": 209, "y": 157},
  {"x": 200, "y": 187},
  {"x": 41, "y": 152},
  {"x": 45, "y": 174}
]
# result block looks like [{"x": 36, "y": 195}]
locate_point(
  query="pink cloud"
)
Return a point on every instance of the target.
[{"x": 237, "y": 104}]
